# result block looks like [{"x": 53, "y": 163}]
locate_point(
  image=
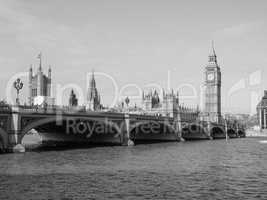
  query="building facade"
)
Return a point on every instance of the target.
[
  {"x": 40, "y": 87},
  {"x": 212, "y": 107},
  {"x": 93, "y": 96},
  {"x": 168, "y": 106},
  {"x": 73, "y": 100},
  {"x": 262, "y": 112}
]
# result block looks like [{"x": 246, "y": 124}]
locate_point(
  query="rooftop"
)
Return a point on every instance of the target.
[{"x": 263, "y": 102}]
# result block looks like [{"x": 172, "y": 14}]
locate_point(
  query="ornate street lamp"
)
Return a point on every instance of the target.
[
  {"x": 18, "y": 85},
  {"x": 127, "y": 101}
]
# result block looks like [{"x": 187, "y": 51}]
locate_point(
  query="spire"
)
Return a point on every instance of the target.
[
  {"x": 93, "y": 95},
  {"x": 92, "y": 82},
  {"x": 49, "y": 72},
  {"x": 30, "y": 73},
  {"x": 40, "y": 59},
  {"x": 213, "y": 50},
  {"x": 99, "y": 98},
  {"x": 212, "y": 55}
]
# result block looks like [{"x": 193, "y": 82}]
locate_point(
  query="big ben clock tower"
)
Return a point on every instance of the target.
[{"x": 213, "y": 88}]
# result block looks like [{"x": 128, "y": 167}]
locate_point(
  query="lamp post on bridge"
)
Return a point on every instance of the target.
[
  {"x": 127, "y": 101},
  {"x": 226, "y": 127},
  {"x": 18, "y": 85}
]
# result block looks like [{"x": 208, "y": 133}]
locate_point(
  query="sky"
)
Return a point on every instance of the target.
[{"x": 136, "y": 44}]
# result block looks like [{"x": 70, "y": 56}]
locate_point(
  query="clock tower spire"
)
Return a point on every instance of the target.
[
  {"x": 212, "y": 56},
  {"x": 213, "y": 87}
]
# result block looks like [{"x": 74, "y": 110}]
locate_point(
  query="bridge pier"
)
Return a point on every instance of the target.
[
  {"x": 209, "y": 130},
  {"x": 125, "y": 132},
  {"x": 179, "y": 128},
  {"x": 14, "y": 131},
  {"x": 237, "y": 130}
]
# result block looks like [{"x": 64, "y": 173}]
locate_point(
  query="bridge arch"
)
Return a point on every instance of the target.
[
  {"x": 38, "y": 122},
  {"x": 231, "y": 133},
  {"x": 3, "y": 140},
  {"x": 241, "y": 133},
  {"x": 217, "y": 132},
  {"x": 193, "y": 127},
  {"x": 138, "y": 124},
  {"x": 192, "y": 131},
  {"x": 154, "y": 129}
]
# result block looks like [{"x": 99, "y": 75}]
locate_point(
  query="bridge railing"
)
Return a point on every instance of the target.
[
  {"x": 56, "y": 110},
  {"x": 42, "y": 109},
  {"x": 5, "y": 107},
  {"x": 151, "y": 117}
]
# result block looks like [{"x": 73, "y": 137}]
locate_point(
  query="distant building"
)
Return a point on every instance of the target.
[
  {"x": 73, "y": 101},
  {"x": 40, "y": 87},
  {"x": 151, "y": 101},
  {"x": 93, "y": 96},
  {"x": 170, "y": 104},
  {"x": 262, "y": 112},
  {"x": 167, "y": 106},
  {"x": 152, "y": 104},
  {"x": 212, "y": 88}
]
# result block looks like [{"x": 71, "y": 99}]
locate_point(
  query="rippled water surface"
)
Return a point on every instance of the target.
[{"x": 187, "y": 170}]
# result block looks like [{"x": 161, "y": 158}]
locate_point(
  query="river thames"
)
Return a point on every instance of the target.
[{"x": 216, "y": 169}]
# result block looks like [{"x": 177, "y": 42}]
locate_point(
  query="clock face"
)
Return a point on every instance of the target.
[{"x": 210, "y": 76}]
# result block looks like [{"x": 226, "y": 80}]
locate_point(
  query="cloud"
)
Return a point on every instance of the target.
[
  {"x": 34, "y": 32},
  {"x": 240, "y": 29}
]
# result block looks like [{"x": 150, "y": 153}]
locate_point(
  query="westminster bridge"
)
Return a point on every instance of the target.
[{"x": 106, "y": 127}]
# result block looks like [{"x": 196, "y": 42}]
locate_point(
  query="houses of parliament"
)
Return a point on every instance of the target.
[
  {"x": 170, "y": 106},
  {"x": 166, "y": 104},
  {"x": 40, "y": 90}
]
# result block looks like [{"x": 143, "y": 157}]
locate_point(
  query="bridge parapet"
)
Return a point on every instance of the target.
[
  {"x": 58, "y": 110},
  {"x": 150, "y": 117},
  {"x": 5, "y": 109}
]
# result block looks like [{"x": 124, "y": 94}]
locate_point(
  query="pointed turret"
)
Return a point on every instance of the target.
[
  {"x": 49, "y": 72},
  {"x": 30, "y": 74},
  {"x": 93, "y": 97},
  {"x": 212, "y": 55},
  {"x": 30, "y": 85},
  {"x": 49, "y": 81},
  {"x": 40, "y": 61},
  {"x": 92, "y": 82},
  {"x": 73, "y": 101},
  {"x": 163, "y": 94}
]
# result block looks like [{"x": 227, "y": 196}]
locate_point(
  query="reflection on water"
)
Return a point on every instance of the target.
[{"x": 187, "y": 170}]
